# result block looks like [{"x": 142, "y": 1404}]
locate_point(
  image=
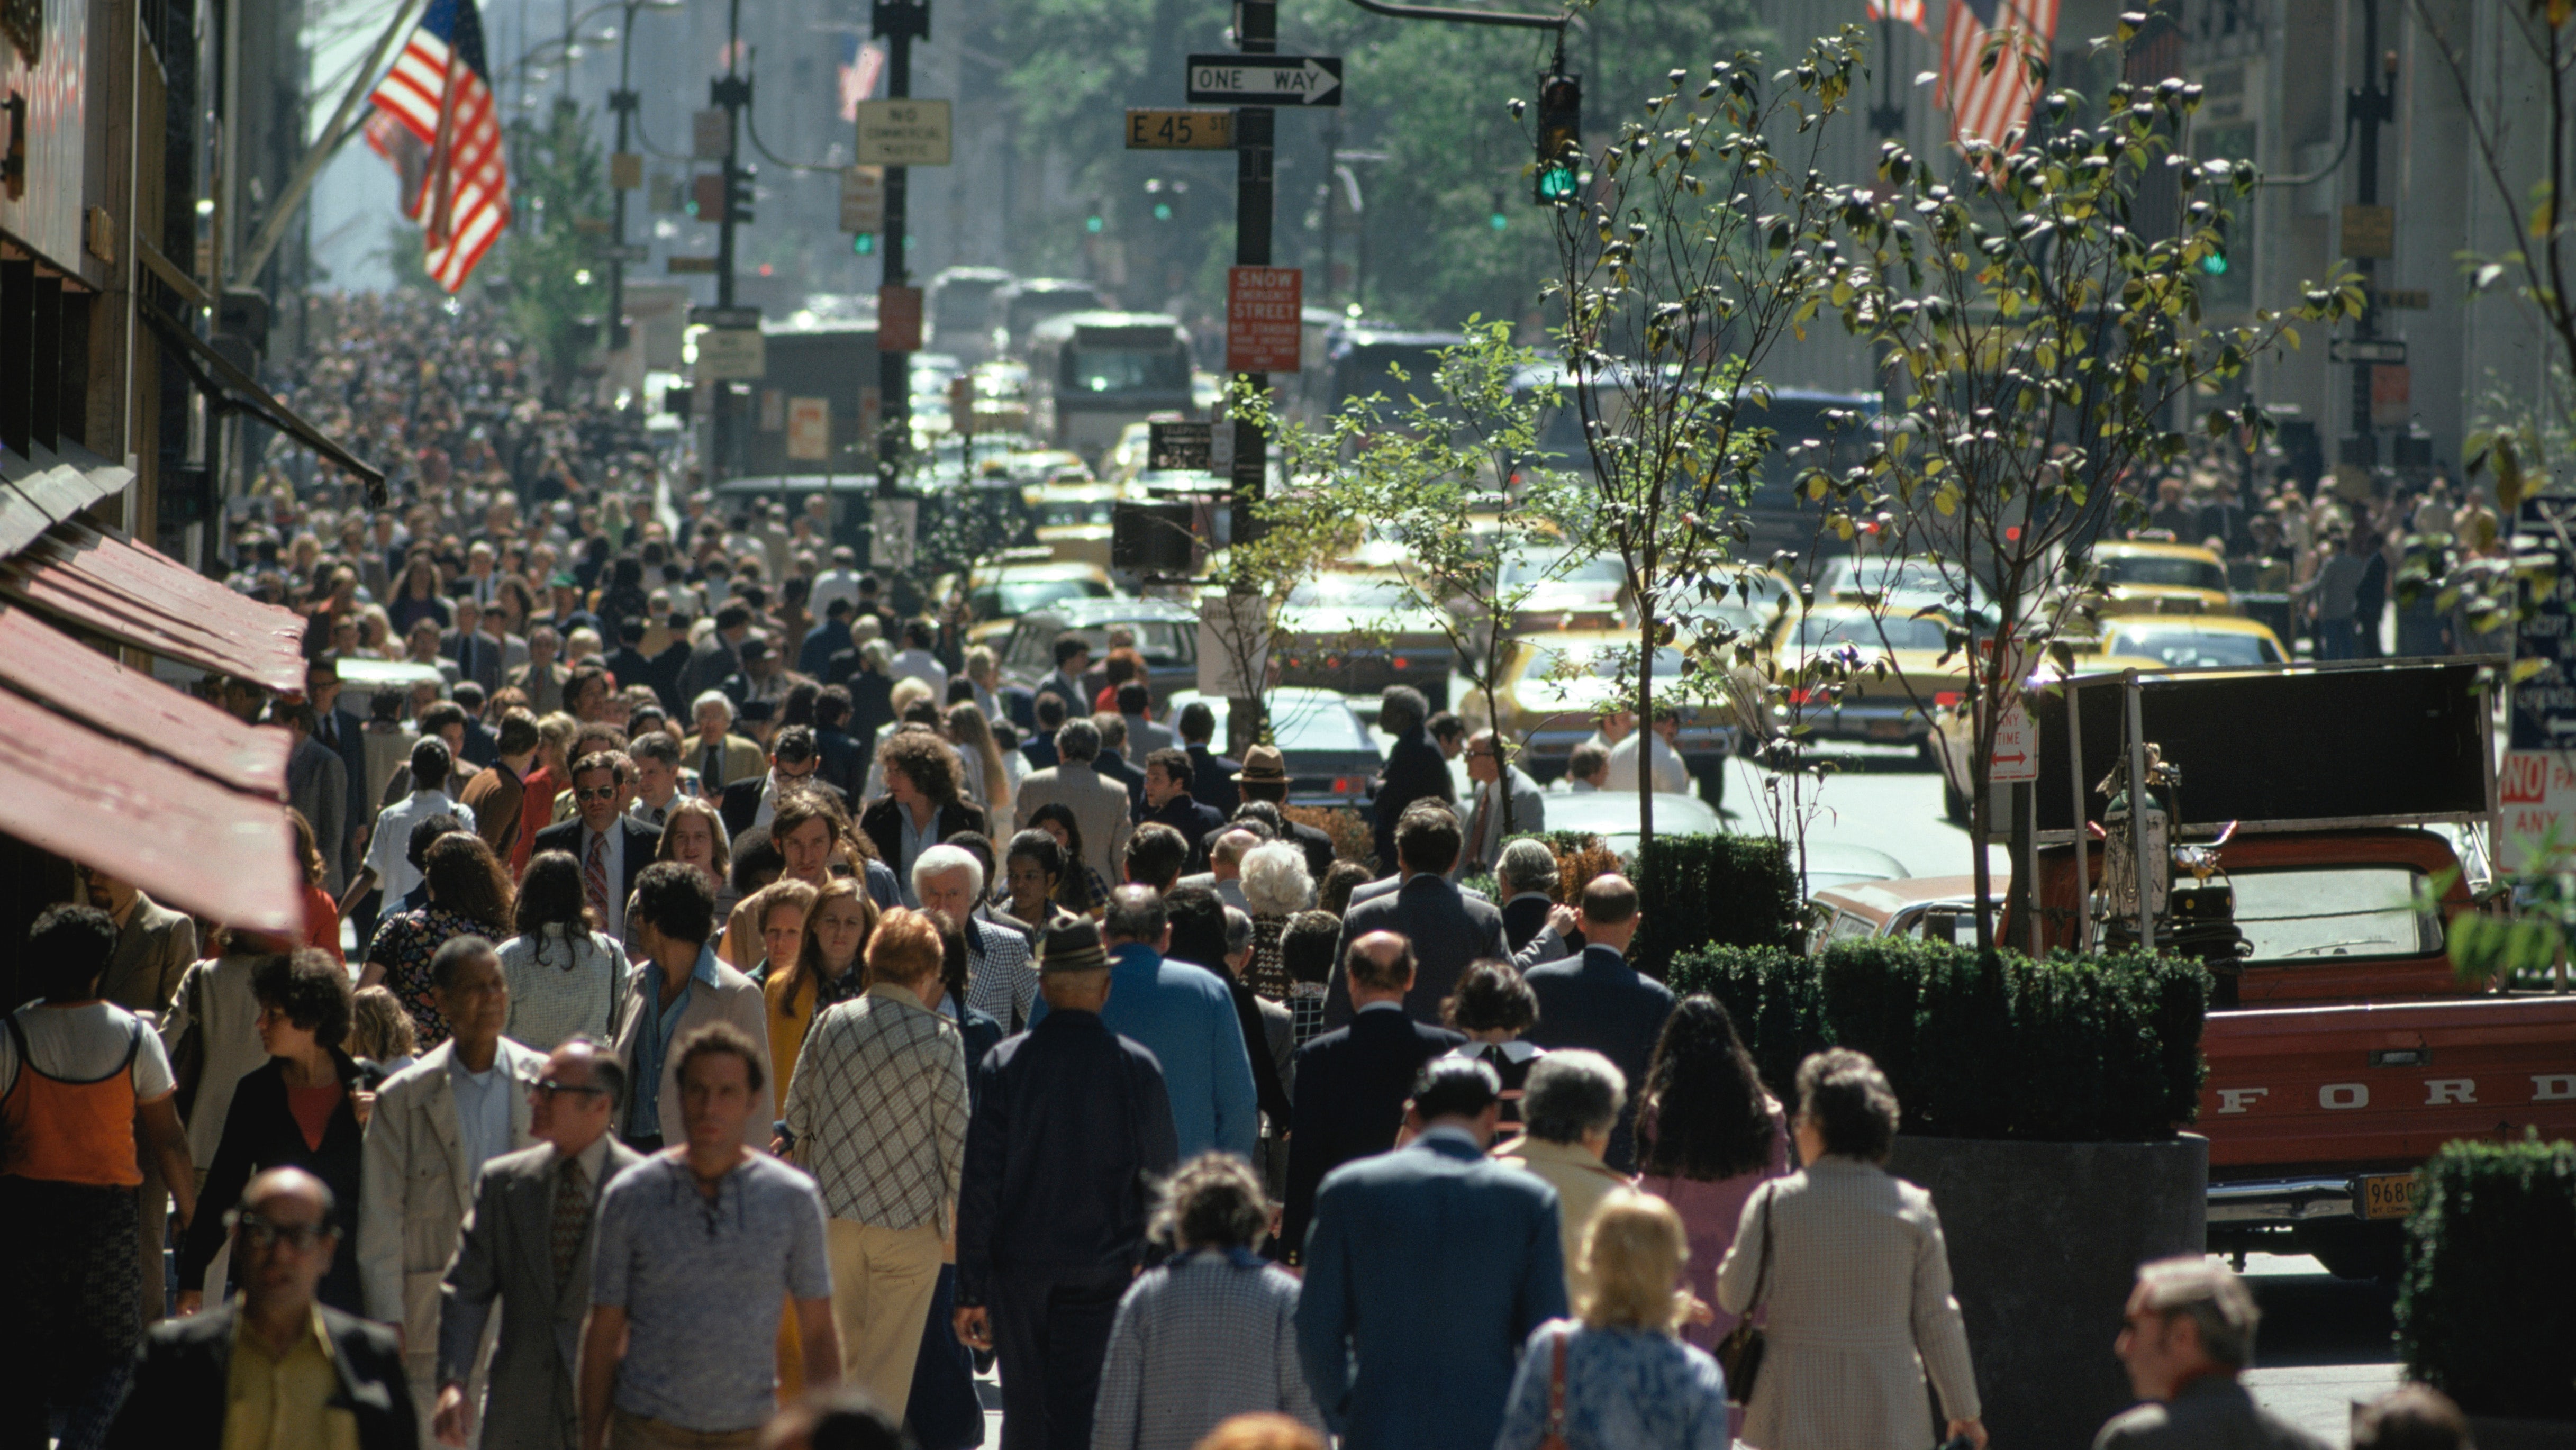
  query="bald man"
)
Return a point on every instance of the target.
[
  {"x": 1351, "y": 1083},
  {"x": 316, "y": 1376}
]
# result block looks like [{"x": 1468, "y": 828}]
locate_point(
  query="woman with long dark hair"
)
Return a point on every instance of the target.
[
  {"x": 469, "y": 895},
  {"x": 1708, "y": 1134},
  {"x": 567, "y": 978},
  {"x": 1080, "y": 889}
]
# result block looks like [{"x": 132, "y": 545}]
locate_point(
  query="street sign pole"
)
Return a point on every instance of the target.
[
  {"x": 1256, "y": 33},
  {"x": 732, "y": 92},
  {"x": 898, "y": 23}
]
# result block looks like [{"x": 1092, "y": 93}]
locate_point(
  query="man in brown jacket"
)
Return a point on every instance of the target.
[{"x": 497, "y": 794}]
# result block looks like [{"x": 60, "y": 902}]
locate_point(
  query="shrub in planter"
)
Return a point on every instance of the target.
[
  {"x": 2486, "y": 1311},
  {"x": 1737, "y": 891},
  {"x": 1774, "y": 997}
]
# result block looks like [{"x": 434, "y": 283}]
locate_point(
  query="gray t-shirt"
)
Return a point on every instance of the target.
[{"x": 701, "y": 1282}]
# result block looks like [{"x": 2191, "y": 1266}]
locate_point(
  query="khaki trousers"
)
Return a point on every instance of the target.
[
  {"x": 883, "y": 1280},
  {"x": 638, "y": 1432}
]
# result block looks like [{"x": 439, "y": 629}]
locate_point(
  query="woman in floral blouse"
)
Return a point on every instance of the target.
[{"x": 469, "y": 895}]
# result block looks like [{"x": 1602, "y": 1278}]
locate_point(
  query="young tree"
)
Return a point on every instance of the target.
[
  {"x": 2045, "y": 350},
  {"x": 1689, "y": 250},
  {"x": 557, "y": 286}
]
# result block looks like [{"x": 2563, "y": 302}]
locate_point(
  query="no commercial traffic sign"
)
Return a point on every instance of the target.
[{"x": 1265, "y": 80}]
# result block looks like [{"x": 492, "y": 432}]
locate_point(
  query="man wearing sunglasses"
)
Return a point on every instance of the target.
[
  {"x": 287, "y": 1369},
  {"x": 528, "y": 1245},
  {"x": 612, "y": 846}
]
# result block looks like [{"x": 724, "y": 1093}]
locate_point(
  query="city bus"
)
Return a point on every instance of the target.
[{"x": 1093, "y": 373}]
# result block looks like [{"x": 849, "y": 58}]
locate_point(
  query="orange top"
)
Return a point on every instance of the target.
[{"x": 70, "y": 1132}]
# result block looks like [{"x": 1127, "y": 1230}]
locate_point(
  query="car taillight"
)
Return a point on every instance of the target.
[
  {"x": 1402, "y": 663},
  {"x": 1802, "y": 695},
  {"x": 1947, "y": 699},
  {"x": 1346, "y": 785}
]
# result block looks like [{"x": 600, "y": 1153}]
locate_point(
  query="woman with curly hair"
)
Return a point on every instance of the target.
[
  {"x": 306, "y": 1107},
  {"x": 1493, "y": 1006},
  {"x": 921, "y": 806},
  {"x": 1708, "y": 1134},
  {"x": 469, "y": 895}
]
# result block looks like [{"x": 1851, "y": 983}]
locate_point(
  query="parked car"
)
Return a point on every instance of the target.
[
  {"x": 2145, "y": 577},
  {"x": 1939, "y": 908},
  {"x": 1359, "y": 632},
  {"x": 1332, "y": 757},
  {"x": 1167, "y": 635},
  {"x": 2191, "y": 642},
  {"x": 1612, "y": 815},
  {"x": 1556, "y": 687},
  {"x": 1902, "y": 673}
]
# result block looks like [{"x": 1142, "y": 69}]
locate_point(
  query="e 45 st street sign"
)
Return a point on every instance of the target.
[
  {"x": 1265, "y": 80},
  {"x": 1180, "y": 130}
]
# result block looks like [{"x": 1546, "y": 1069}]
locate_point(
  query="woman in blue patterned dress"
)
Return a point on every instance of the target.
[{"x": 1619, "y": 1378}]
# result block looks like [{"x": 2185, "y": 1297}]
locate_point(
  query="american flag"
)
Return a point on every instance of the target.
[
  {"x": 860, "y": 67},
  {"x": 1985, "y": 78},
  {"x": 439, "y": 94},
  {"x": 1904, "y": 12}
]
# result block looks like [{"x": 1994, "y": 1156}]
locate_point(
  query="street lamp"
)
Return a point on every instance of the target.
[{"x": 624, "y": 101}]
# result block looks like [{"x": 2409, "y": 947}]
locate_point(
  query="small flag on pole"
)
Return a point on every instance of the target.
[
  {"x": 1903, "y": 12},
  {"x": 439, "y": 94},
  {"x": 1986, "y": 51}
]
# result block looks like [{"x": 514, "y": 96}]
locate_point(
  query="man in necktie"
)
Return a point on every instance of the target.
[
  {"x": 612, "y": 846},
  {"x": 527, "y": 1244}
]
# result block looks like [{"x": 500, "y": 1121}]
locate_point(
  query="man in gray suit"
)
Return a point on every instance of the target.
[
  {"x": 527, "y": 1243},
  {"x": 1099, "y": 805},
  {"x": 1448, "y": 929},
  {"x": 1495, "y": 780}
]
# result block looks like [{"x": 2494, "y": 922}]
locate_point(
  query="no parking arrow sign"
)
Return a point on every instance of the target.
[{"x": 1265, "y": 80}]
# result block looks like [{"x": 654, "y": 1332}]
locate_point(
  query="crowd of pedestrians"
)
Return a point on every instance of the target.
[{"x": 763, "y": 1017}]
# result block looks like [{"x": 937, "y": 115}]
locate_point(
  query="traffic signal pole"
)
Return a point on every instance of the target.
[
  {"x": 732, "y": 92},
  {"x": 898, "y": 23},
  {"x": 2372, "y": 105}
]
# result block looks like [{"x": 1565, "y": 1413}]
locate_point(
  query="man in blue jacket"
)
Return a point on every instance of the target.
[
  {"x": 1070, "y": 1133},
  {"x": 1426, "y": 1270},
  {"x": 1598, "y": 1001},
  {"x": 1185, "y": 1017}
]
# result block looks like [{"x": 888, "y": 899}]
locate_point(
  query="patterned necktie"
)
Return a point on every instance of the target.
[
  {"x": 594, "y": 875},
  {"x": 572, "y": 1218}
]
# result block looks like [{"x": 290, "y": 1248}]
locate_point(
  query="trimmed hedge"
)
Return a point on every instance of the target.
[
  {"x": 1728, "y": 891},
  {"x": 2067, "y": 1049},
  {"x": 2486, "y": 1312}
]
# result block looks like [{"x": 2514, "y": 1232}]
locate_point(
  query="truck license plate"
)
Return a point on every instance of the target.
[{"x": 2388, "y": 1195}]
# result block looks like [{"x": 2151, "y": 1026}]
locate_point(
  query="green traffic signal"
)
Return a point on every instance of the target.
[
  {"x": 1162, "y": 211},
  {"x": 864, "y": 244},
  {"x": 2214, "y": 264},
  {"x": 1093, "y": 224},
  {"x": 1555, "y": 183}
]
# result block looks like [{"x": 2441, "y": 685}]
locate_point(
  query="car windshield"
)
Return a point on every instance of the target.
[
  {"x": 1553, "y": 565},
  {"x": 2186, "y": 648},
  {"x": 2165, "y": 571},
  {"x": 1895, "y": 632},
  {"x": 1920, "y": 576},
  {"x": 1069, "y": 513},
  {"x": 1351, "y": 591},
  {"x": 2343, "y": 911},
  {"x": 1125, "y": 370},
  {"x": 1600, "y": 661},
  {"x": 1019, "y": 596}
]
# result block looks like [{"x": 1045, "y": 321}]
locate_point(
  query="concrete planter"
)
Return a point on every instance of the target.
[{"x": 2045, "y": 1240}]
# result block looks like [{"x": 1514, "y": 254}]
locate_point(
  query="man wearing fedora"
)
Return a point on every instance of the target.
[{"x": 1264, "y": 777}]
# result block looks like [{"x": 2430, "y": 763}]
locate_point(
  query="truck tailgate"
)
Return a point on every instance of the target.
[{"x": 2370, "y": 1086}]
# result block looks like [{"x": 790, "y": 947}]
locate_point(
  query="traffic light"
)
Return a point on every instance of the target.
[
  {"x": 1560, "y": 138},
  {"x": 1497, "y": 220},
  {"x": 863, "y": 244},
  {"x": 2213, "y": 263},
  {"x": 738, "y": 194}
]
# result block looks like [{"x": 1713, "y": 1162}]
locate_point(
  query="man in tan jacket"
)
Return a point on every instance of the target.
[
  {"x": 1099, "y": 804},
  {"x": 1571, "y": 1102}
]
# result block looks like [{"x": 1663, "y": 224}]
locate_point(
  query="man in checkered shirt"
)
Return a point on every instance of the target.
[{"x": 877, "y": 1113}]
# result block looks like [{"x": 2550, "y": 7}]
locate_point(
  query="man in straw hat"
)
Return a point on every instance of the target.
[{"x": 1071, "y": 1129}]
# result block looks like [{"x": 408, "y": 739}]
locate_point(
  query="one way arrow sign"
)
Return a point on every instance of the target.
[{"x": 1266, "y": 80}]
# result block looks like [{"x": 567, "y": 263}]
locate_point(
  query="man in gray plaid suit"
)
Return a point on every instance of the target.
[{"x": 877, "y": 1113}]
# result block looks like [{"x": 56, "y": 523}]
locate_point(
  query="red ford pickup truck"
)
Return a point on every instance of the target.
[{"x": 2352, "y": 1051}]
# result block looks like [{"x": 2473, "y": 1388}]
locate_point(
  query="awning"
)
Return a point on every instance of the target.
[
  {"x": 191, "y": 843},
  {"x": 146, "y": 599},
  {"x": 45, "y": 664},
  {"x": 48, "y": 488},
  {"x": 230, "y": 387}
]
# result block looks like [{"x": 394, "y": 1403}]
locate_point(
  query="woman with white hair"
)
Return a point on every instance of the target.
[{"x": 1276, "y": 885}]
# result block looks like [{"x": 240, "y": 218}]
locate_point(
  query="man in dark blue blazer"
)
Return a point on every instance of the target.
[
  {"x": 1426, "y": 1270},
  {"x": 1211, "y": 774},
  {"x": 1598, "y": 1001},
  {"x": 1415, "y": 768},
  {"x": 1168, "y": 800},
  {"x": 1112, "y": 764},
  {"x": 1351, "y": 1083},
  {"x": 1448, "y": 929}
]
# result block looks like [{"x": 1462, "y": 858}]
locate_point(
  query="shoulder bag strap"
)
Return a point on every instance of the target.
[
  {"x": 1762, "y": 1275},
  {"x": 1556, "y": 1389}
]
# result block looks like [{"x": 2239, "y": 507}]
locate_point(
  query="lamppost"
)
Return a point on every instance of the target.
[{"x": 624, "y": 102}]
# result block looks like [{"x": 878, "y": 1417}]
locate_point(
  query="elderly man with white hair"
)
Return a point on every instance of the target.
[
  {"x": 1000, "y": 979},
  {"x": 721, "y": 757}
]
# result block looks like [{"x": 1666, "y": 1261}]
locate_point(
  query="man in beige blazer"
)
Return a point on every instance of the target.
[
  {"x": 680, "y": 987},
  {"x": 435, "y": 1124},
  {"x": 1099, "y": 805}
]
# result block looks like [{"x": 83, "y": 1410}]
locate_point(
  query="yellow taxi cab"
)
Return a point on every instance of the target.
[
  {"x": 1020, "y": 582},
  {"x": 2184, "y": 642},
  {"x": 1556, "y": 686},
  {"x": 1072, "y": 519},
  {"x": 1895, "y": 672},
  {"x": 2143, "y": 577}
]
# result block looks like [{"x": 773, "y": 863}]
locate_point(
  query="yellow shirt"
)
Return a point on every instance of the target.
[
  {"x": 284, "y": 1403},
  {"x": 1581, "y": 1182}
]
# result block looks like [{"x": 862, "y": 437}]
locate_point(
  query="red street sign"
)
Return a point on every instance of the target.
[
  {"x": 898, "y": 319},
  {"x": 1261, "y": 319}
]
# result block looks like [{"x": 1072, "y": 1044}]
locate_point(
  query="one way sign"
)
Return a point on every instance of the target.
[{"x": 1266, "y": 80}]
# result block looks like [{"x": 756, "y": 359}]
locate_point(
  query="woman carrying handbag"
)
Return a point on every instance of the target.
[
  {"x": 1858, "y": 1302},
  {"x": 1619, "y": 1378}
]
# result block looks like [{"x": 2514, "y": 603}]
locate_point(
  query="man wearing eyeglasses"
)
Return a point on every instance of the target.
[
  {"x": 612, "y": 846},
  {"x": 528, "y": 1245},
  {"x": 273, "y": 1369}
]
